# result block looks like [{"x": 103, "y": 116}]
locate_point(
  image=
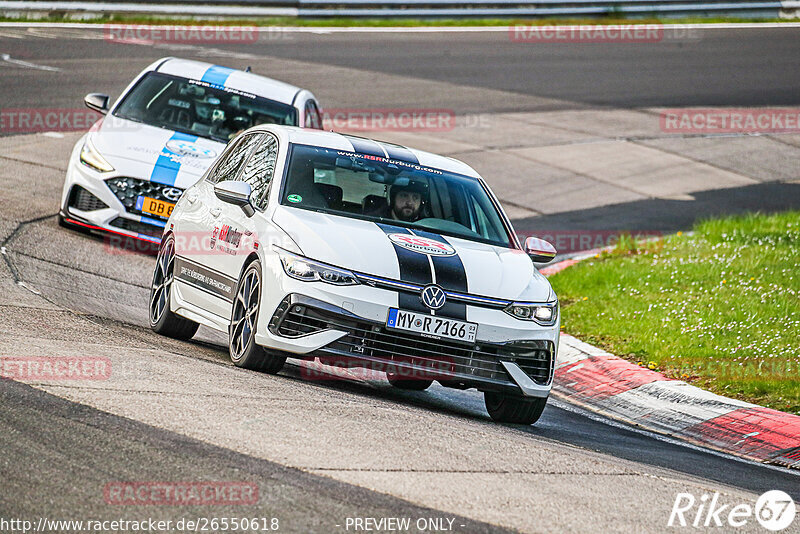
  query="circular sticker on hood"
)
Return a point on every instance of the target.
[
  {"x": 423, "y": 245},
  {"x": 187, "y": 148}
]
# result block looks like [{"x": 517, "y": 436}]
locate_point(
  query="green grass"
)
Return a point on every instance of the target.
[
  {"x": 719, "y": 308},
  {"x": 365, "y": 22}
]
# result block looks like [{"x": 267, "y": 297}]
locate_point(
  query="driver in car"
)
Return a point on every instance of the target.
[{"x": 407, "y": 201}]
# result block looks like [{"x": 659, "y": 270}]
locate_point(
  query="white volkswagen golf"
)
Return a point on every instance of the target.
[
  {"x": 361, "y": 253},
  {"x": 165, "y": 130}
]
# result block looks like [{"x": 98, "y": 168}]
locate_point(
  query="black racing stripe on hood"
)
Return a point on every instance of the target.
[
  {"x": 365, "y": 146},
  {"x": 451, "y": 275},
  {"x": 414, "y": 268},
  {"x": 399, "y": 152}
]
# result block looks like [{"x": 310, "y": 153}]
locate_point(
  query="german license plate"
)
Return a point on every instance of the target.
[
  {"x": 431, "y": 325},
  {"x": 154, "y": 206}
]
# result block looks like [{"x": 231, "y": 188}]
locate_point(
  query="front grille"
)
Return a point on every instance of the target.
[
  {"x": 136, "y": 226},
  {"x": 128, "y": 191},
  {"x": 81, "y": 199},
  {"x": 445, "y": 360}
]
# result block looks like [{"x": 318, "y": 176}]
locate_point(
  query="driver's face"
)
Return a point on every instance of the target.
[{"x": 407, "y": 205}]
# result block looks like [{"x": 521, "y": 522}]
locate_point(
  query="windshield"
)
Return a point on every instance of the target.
[
  {"x": 199, "y": 108},
  {"x": 386, "y": 190}
]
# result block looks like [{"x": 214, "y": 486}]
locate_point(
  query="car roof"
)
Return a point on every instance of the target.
[
  {"x": 231, "y": 78},
  {"x": 352, "y": 143}
]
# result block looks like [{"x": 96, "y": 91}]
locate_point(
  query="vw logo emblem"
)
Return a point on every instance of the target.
[
  {"x": 433, "y": 297},
  {"x": 172, "y": 193}
]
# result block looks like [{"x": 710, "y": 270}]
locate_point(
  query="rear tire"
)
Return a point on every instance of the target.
[
  {"x": 516, "y": 410},
  {"x": 244, "y": 318},
  {"x": 162, "y": 320},
  {"x": 409, "y": 384}
]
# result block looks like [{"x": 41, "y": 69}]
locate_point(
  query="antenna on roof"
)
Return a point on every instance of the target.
[{"x": 247, "y": 69}]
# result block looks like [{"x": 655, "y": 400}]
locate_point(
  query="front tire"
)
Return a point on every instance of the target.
[
  {"x": 244, "y": 318},
  {"x": 511, "y": 409},
  {"x": 162, "y": 320}
]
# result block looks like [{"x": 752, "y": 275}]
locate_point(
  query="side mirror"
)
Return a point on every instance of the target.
[
  {"x": 539, "y": 250},
  {"x": 97, "y": 102},
  {"x": 236, "y": 193}
]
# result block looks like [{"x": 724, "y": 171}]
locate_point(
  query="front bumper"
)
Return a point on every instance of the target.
[
  {"x": 521, "y": 366},
  {"x": 89, "y": 202}
]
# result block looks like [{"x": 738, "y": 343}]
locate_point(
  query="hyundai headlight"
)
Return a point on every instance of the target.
[
  {"x": 92, "y": 158},
  {"x": 307, "y": 270},
  {"x": 544, "y": 314}
]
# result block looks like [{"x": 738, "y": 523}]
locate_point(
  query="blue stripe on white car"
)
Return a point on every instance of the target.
[
  {"x": 217, "y": 75},
  {"x": 166, "y": 169}
]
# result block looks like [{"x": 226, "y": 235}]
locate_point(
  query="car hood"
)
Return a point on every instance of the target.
[
  {"x": 372, "y": 248},
  {"x": 147, "y": 152}
]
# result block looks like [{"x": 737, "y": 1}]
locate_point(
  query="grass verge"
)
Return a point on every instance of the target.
[{"x": 719, "y": 308}]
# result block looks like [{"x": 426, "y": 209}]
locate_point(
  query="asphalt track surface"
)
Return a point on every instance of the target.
[
  {"x": 703, "y": 67},
  {"x": 57, "y": 453}
]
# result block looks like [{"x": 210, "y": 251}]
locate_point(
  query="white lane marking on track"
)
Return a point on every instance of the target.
[
  {"x": 11, "y": 34},
  {"x": 18, "y": 62}
]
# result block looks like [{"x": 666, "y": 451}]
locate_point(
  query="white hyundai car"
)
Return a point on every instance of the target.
[
  {"x": 361, "y": 253},
  {"x": 164, "y": 131}
]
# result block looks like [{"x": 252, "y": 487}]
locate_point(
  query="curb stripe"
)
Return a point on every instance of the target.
[
  {"x": 756, "y": 433},
  {"x": 166, "y": 169},
  {"x": 618, "y": 389},
  {"x": 599, "y": 378}
]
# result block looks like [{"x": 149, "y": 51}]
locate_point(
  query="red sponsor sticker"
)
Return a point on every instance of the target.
[
  {"x": 55, "y": 368},
  {"x": 423, "y": 245},
  {"x": 200, "y": 493}
]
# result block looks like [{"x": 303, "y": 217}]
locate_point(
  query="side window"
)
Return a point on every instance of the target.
[
  {"x": 231, "y": 160},
  {"x": 259, "y": 170},
  {"x": 312, "y": 119}
]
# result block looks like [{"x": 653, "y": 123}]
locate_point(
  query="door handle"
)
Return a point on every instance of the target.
[
  {"x": 215, "y": 212},
  {"x": 191, "y": 198}
]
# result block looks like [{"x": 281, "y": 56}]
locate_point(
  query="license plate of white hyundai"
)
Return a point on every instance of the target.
[{"x": 431, "y": 325}]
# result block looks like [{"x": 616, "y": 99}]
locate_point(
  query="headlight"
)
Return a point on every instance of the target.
[
  {"x": 308, "y": 270},
  {"x": 92, "y": 158},
  {"x": 544, "y": 314}
]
